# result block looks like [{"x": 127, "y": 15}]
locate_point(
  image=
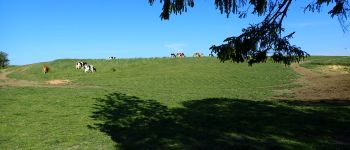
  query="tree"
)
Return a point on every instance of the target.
[
  {"x": 255, "y": 41},
  {"x": 3, "y": 59}
]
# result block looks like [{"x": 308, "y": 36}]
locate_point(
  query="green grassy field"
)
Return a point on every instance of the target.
[
  {"x": 171, "y": 81},
  {"x": 320, "y": 61},
  {"x": 329, "y": 60},
  {"x": 164, "y": 103}
]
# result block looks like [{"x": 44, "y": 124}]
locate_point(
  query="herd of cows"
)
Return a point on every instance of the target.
[
  {"x": 85, "y": 66},
  {"x": 182, "y": 55},
  {"x": 79, "y": 65},
  {"x": 90, "y": 68}
]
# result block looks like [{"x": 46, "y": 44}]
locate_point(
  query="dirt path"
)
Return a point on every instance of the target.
[
  {"x": 9, "y": 82},
  {"x": 6, "y": 82},
  {"x": 326, "y": 85}
]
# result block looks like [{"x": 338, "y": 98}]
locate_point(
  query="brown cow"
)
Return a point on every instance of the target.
[{"x": 45, "y": 69}]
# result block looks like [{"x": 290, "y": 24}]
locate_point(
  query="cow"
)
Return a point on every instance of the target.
[
  {"x": 89, "y": 68},
  {"x": 92, "y": 68},
  {"x": 197, "y": 54},
  {"x": 180, "y": 55},
  {"x": 46, "y": 69},
  {"x": 112, "y": 57},
  {"x": 211, "y": 55},
  {"x": 172, "y": 55},
  {"x": 80, "y": 65}
]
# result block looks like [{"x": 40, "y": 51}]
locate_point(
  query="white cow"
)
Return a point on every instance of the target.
[
  {"x": 197, "y": 54},
  {"x": 89, "y": 68},
  {"x": 80, "y": 65}
]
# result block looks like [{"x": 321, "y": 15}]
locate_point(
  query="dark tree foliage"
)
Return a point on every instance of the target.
[
  {"x": 268, "y": 36},
  {"x": 3, "y": 59}
]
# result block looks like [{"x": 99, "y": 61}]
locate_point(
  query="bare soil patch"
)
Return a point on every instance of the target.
[
  {"x": 331, "y": 83},
  {"x": 58, "y": 82},
  {"x": 9, "y": 82}
]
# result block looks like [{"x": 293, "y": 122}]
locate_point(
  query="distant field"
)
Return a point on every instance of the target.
[
  {"x": 167, "y": 103},
  {"x": 327, "y": 60},
  {"x": 319, "y": 62}
]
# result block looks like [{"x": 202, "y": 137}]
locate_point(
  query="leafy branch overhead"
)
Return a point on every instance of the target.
[{"x": 268, "y": 36}]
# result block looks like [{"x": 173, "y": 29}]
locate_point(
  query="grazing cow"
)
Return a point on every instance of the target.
[
  {"x": 197, "y": 54},
  {"x": 211, "y": 55},
  {"x": 173, "y": 55},
  {"x": 80, "y": 65},
  {"x": 45, "y": 69},
  {"x": 86, "y": 68},
  {"x": 112, "y": 57},
  {"x": 180, "y": 55},
  {"x": 89, "y": 68},
  {"x": 92, "y": 68}
]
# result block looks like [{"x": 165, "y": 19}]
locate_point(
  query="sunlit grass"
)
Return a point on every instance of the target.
[
  {"x": 166, "y": 103},
  {"x": 171, "y": 80}
]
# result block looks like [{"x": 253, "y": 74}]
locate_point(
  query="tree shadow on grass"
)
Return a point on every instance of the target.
[{"x": 220, "y": 123}]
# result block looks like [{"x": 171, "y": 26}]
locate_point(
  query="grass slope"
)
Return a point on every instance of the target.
[
  {"x": 166, "y": 104},
  {"x": 329, "y": 60},
  {"x": 317, "y": 61},
  {"x": 171, "y": 80},
  {"x": 48, "y": 118}
]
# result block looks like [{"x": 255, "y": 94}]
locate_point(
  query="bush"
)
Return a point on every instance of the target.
[{"x": 3, "y": 59}]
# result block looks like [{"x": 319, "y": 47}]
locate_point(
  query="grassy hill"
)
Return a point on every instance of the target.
[
  {"x": 318, "y": 62},
  {"x": 170, "y": 80},
  {"x": 165, "y": 103}
]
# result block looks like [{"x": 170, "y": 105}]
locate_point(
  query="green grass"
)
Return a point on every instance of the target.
[
  {"x": 166, "y": 104},
  {"x": 171, "y": 80},
  {"x": 49, "y": 118},
  {"x": 316, "y": 61},
  {"x": 330, "y": 60}
]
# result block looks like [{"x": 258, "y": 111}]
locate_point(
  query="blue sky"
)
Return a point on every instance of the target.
[{"x": 43, "y": 30}]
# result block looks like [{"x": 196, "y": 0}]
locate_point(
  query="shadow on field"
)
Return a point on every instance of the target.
[{"x": 220, "y": 123}]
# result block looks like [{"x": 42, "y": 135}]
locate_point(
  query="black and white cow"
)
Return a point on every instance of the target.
[
  {"x": 89, "y": 68},
  {"x": 112, "y": 57},
  {"x": 180, "y": 55},
  {"x": 80, "y": 65},
  {"x": 197, "y": 54}
]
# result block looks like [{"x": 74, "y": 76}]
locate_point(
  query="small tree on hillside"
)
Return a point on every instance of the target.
[
  {"x": 257, "y": 40},
  {"x": 3, "y": 59}
]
